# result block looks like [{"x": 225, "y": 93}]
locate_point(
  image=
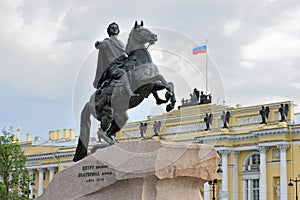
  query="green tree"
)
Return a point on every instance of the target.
[{"x": 14, "y": 181}]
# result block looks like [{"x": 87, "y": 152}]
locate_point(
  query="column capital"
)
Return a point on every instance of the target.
[
  {"x": 283, "y": 147},
  {"x": 50, "y": 168},
  {"x": 262, "y": 149},
  {"x": 224, "y": 152},
  {"x": 40, "y": 169}
]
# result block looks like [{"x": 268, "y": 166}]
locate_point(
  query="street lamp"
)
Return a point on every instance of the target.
[
  {"x": 291, "y": 184},
  {"x": 219, "y": 169},
  {"x": 213, "y": 183}
]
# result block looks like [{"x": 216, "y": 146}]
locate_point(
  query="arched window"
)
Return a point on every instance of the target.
[
  {"x": 251, "y": 176},
  {"x": 252, "y": 162}
]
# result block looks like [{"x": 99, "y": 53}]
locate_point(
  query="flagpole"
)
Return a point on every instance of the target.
[{"x": 206, "y": 68}]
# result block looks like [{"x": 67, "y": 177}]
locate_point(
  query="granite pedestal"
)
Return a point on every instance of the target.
[{"x": 138, "y": 170}]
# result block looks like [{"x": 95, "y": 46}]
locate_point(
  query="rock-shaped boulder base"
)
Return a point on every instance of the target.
[{"x": 137, "y": 170}]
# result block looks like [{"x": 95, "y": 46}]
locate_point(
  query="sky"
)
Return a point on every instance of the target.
[{"x": 48, "y": 59}]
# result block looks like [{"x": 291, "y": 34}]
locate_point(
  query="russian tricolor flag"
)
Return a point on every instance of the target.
[{"x": 199, "y": 49}]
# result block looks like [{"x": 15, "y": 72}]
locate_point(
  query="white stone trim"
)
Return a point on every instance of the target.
[
  {"x": 235, "y": 175},
  {"x": 224, "y": 157},
  {"x": 245, "y": 148},
  {"x": 276, "y": 131},
  {"x": 41, "y": 181},
  {"x": 51, "y": 173},
  {"x": 49, "y": 156},
  {"x": 250, "y": 175},
  {"x": 273, "y": 143},
  {"x": 219, "y": 149},
  {"x": 296, "y": 142},
  {"x": 188, "y": 127},
  {"x": 263, "y": 172},
  {"x": 283, "y": 171},
  {"x": 49, "y": 165},
  {"x": 206, "y": 191},
  {"x": 245, "y": 136},
  {"x": 179, "y": 135}
]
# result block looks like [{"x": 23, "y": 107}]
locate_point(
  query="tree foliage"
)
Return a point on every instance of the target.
[{"x": 14, "y": 181}]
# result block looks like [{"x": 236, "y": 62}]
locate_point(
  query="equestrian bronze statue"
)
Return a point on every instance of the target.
[{"x": 124, "y": 84}]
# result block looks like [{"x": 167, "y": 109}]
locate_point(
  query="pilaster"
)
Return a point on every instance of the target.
[{"x": 283, "y": 174}]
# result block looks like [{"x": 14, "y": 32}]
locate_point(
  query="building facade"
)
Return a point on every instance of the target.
[
  {"x": 48, "y": 156},
  {"x": 257, "y": 157}
]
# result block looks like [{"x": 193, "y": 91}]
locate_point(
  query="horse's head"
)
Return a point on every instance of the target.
[{"x": 139, "y": 36}]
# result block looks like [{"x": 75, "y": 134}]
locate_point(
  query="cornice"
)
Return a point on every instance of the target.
[
  {"x": 273, "y": 143},
  {"x": 277, "y": 131},
  {"x": 252, "y": 135},
  {"x": 49, "y": 156},
  {"x": 39, "y": 166}
]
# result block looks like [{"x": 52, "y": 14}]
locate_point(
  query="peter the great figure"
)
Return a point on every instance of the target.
[
  {"x": 124, "y": 78},
  {"x": 111, "y": 50}
]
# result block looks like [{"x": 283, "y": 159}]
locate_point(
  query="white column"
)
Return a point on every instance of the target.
[
  {"x": 249, "y": 182},
  {"x": 235, "y": 176},
  {"x": 224, "y": 155},
  {"x": 30, "y": 173},
  {"x": 263, "y": 173},
  {"x": 245, "y": 189},
  {"x": 206, "y": 191},
  {"x": 283, "y": 174},
  {"x": 51, "y": 173},
  {"x": 41, "y": 181}
]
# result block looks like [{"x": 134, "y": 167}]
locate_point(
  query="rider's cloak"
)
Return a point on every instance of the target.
[{"x": 109, "y": 49}]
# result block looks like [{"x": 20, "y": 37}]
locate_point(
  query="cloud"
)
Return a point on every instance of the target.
[
  {"x": 32, "y": 58},
  {"x": 247, "y": 65},
  {"x": 276, "y": 42},
  {"x": 43, "y": 45},
  {"x": 231, "y": 27},
  {"x": 295, "y": 85}
]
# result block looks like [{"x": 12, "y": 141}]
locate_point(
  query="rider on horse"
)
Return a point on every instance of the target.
[
  {"x": 111, "y": 53},
  {"x": 117, "y": 76}
]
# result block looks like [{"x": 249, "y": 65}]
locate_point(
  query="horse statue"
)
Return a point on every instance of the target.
[{"x": 110, "y": 102}]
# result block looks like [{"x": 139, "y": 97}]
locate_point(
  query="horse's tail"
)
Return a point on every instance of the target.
[{"x": 83, "y": 141}]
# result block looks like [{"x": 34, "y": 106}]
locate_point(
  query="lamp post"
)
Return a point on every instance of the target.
[
  {"x": 219, "y": 171},
  {"x": 291, "y": 184},
  {"x": 213, "y": 183}
]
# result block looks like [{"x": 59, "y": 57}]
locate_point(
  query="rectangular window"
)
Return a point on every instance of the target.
[
  {"x": 255, "y": 189},
  {"x": 44, "y": 176},
  {"x": 252, "y": 189}
]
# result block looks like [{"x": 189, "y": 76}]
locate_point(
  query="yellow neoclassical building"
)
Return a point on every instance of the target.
[{"x": 257, "y": 160}]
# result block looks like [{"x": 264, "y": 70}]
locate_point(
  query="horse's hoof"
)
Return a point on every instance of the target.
[
  {"x": 169, "y": 107},
  {"x": 106, "y": 138},
  {"x": 112, "y": 138}
]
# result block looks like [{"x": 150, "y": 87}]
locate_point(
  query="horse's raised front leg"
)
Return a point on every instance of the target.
[
  {"x": 158, "y": 77},
  {"x": 159, "y": 100},
  {"x": 171, "y": 96},
  {"x": 158, "y": 87}
]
